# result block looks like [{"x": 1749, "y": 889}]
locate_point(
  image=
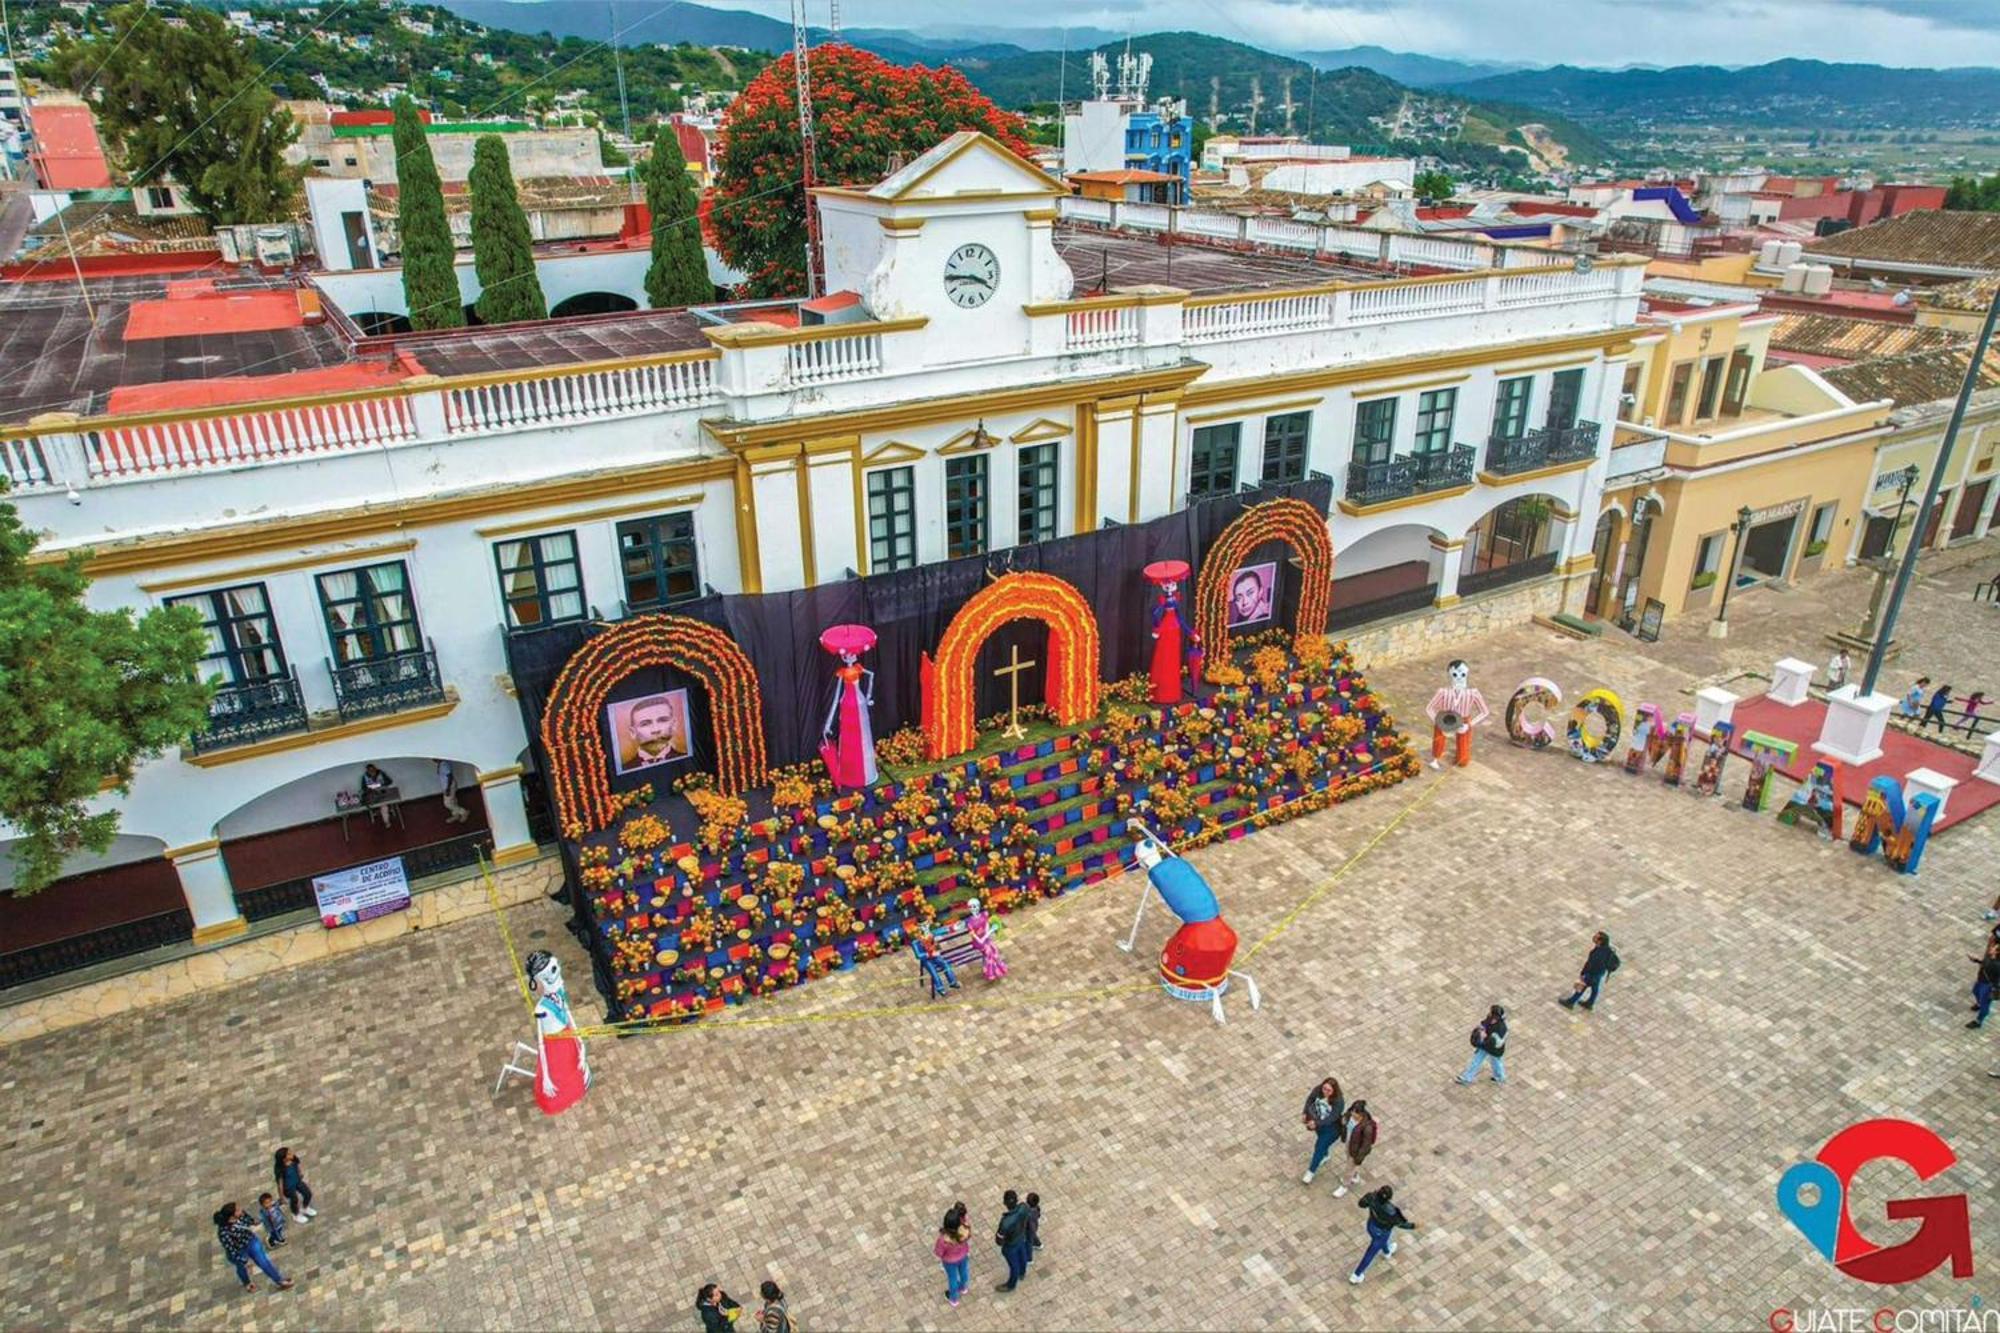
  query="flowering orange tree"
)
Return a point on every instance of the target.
[{"x": 866, "y": 111}]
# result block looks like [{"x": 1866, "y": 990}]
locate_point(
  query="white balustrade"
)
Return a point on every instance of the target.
[
  {"x": 1354, "y": 242},
  {"x": 1439, "y": 252},
  {"x": 1099, "y": 327},
  {"x": 1282, "y": 233},
  {"x": 25, "y": 463},
  {"x": 1254, "y": 316},
  {"x": 830, "y": 360},
  {"x": 1417, "y": 300},
  {"x": 581, "y": 395},
  {"x": 246, "y": 434},
  {"x": 1202, "y": 223}
]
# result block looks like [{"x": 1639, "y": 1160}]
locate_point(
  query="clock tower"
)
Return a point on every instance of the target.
[{"x": 963, "y": 236}]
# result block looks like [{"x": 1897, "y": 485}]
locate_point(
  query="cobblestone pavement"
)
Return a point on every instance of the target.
[{"x": 1775, "y": 989}]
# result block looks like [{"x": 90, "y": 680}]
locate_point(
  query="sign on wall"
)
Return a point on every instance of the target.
[{"x": 361, "y": 893}]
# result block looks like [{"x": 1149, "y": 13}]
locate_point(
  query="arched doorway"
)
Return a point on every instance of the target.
[
  {"x": 573, "y": 732},
  {"x": 593, "y": 303},
  {"x": 1600, "y": 554},
  {"x": 949, "y": 696},
  {"x": 1390, "y": 571},
  {"x": 1644, "y": 514},
  {"x": 1512, "y": 542},
  {"x": 1296, "y": 524}
]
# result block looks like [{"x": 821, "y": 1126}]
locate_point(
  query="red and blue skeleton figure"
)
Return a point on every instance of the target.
[{"x": 1195, "y": 964}]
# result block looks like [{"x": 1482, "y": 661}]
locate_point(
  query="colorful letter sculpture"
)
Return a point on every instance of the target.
[
  {"x": 1766, "y": 754},
  {"x": 1676, "y": 744},
  {"x": 850, "y": 758},
  {"x": 1454, "y": 711},
  {"x": 1175, "y": 644},
  {"x": 1194, "y": 965},
  {"x": 1529, "y": 710},
  {"x": 1708, "y": 778},
  {"x": 1646, "y": 725},
  {"x": 1900, "y": 832},
  {"x": 1594, "y": 725},
  {"x": 562, "y": 1074},
  {"x": 1817, "y": 804}
]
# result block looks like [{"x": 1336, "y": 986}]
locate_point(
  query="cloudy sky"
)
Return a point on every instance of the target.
[{"x": 1582, "y": 32}]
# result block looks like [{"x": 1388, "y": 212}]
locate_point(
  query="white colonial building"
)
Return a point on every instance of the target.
[{"x": 1007, "y": 371}]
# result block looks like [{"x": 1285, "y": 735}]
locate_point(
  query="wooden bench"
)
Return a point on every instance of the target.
[{"x": 955, "y": 946}]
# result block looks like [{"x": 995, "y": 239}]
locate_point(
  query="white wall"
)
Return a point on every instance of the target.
[{"x": 1094, "y": 138}]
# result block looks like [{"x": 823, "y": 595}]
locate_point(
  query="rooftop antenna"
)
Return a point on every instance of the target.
[
  {"x": 618, "y": 63},
  {"x": 808, "y": 149},
  {"x": 833, "y": 20}
]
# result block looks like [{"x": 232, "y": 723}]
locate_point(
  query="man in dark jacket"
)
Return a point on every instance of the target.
[
  {"x": 1013, "y": 1237},
  {"x": 1384, "y": 1217},
  {"x": 1601, "y": 963},
  {"x": 1489, "y": 1042}
]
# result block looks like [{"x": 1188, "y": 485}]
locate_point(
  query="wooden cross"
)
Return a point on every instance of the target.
[{"x": 1012, "y": 671}]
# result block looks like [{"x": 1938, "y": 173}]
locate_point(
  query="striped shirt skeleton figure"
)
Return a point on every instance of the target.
[{"x": 1454, "y": 711}]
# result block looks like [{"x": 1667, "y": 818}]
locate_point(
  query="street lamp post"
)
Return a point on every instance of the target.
[
  {"x": 1719, "y": 627},
  {"x": 1908, "y": 479}
]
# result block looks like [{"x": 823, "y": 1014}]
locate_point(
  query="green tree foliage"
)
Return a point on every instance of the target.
[
  {"x": 1973, "y": 195},
  {"x": 678, "y": 275},
  {"x": 430, "y": 283},
  {"x": 89, "y": 694},
  {"x": 187, "y": 102},
  {"x": 1432, "y": 185},
  {"x": 503, "y": 253}
]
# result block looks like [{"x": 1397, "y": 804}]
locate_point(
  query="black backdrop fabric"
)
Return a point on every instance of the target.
[{"x": 909, "y": 610}]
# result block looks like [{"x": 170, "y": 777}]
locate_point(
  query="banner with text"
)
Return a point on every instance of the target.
[{"x": 361, "y": 893}]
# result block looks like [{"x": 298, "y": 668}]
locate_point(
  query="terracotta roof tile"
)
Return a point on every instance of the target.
[
  {"x": 1917, "y": 377},
  {"x": 1928, "y": 236},
  {"x": 1856, "y": 339},
  {"x": 1974, "y": 294}
]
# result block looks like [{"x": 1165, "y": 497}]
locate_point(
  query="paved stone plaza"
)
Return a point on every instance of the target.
[{"x": 1775, "y": 989}]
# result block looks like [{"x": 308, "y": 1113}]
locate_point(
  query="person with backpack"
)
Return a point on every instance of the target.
[
  {"x": 1325, "y": 1115},
  {"x": 1489, "y": 1042},
  {"x": 1597, "y": 967},
  {"x": 1384, "y": 1219},
  {"x": 1013, "y": 1238},
  {"x": 1360, "y": 1132}
]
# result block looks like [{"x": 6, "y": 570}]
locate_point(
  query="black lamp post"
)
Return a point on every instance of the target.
[{"x": 1720, "y": 629}]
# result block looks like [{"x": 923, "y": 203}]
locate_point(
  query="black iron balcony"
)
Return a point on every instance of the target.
[
  {"x": 1409, "y": 474},
  {"x": 1501, "y": 575},
  {"x": 1540, "y": 447},
  {"x": 241, "y": 714},
  {"x": 372, "y": 686}
]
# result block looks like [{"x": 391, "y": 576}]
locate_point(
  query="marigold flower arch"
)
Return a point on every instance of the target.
[
  {"x": 1072, "y": 666},
  {"x": 571, "y": 733},
  {"x": 1293, "y": 522}
]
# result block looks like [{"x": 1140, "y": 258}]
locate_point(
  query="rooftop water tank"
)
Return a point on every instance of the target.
[
  {"x": 1819, "y": 279},
  {"x": 1789, "y": 252},
  {"x": 1795, "y": 278}
]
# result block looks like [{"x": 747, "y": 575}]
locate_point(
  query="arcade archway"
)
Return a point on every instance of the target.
[{"x": 948, "y": 695}]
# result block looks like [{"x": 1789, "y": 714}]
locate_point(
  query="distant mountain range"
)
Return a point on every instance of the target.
[
  {"x": 1407, "y": 68},
  {"x": 1804, "y": 93}
]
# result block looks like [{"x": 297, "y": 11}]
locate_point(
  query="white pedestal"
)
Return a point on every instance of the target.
[
  {"x": 1790, "y": 679},
  {"x": 1854, "y": 725},
  {"x": 1712, "y": 704},
  {"x": 1989, "y": 761},
  {"x": 1923, "y": 780}
]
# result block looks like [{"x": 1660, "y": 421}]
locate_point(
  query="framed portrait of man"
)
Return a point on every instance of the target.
[
  {"x": 1252, "y": 593},
  {"x": 649, "y": 731}
]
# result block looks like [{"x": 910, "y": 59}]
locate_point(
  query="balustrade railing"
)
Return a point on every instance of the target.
[
  {"x": 1100, "y": 326},
  {"x": 246, "y": 434},
  {"x": 240, "y": 714},
  {"x": 372, "y": 686},
  {"x": 1540, "y": 447},
  {"x": 1409, "y": 474},
  {"x": 830, "y": 360},
  {"x": 1381, "y": 608},
  {"x": 1499, "y": 576},
  {"x": 588, "y": 393},
  {"x": 1251, "y": 316},
  {"x": 98, "y": 946}
]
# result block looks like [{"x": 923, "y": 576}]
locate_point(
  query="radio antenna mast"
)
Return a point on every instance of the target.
[{"x": 808, "y": 149}]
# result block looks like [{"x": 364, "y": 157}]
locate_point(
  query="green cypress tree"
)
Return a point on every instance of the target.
[
  {"x": 430, "y": 283},
  {"x": 678, "y": 275},
  {"x": 503, "y": 254}
]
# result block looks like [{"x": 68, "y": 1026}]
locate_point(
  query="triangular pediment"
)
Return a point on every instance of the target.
[
  {"x": 1040, "y": 429},
  {"x": 966, "y": 165},
  {"x": 891, "y": 451}
]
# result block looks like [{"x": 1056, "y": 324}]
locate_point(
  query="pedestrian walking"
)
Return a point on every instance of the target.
[
  {"x": 241, "y": 1246},
  {"x": 1984, "y": 985},
  {"x": 1913, "y": 702},
  {"x": 718, "y": 1312},
  {"x": 1361, "y": 1131},
  {"x": 454, "y": 811},
  {"x": 1489, "y": 1042},
  {"x": 772, "y": 1317},
  {"x": 1597, "y": 968},
  {"x": 1934, "y": 710},
  {"x": 1973, "y": 702},
  {"x": 1012, "y": 1238},
  {"x": 1837, "y": 669},
  {"x": 1384, "y": 1220},
  {"x": 274, "y": 1218},
  {"x": 1033, "y": 1203},
  {"x": 954, "y": 1250},
  {"x": 1325, "y": 1115},
  {"x": 290, "y": 1173}
]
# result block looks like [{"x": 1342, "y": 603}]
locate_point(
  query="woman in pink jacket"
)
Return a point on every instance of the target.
[{"x": 954, "y": 1251}]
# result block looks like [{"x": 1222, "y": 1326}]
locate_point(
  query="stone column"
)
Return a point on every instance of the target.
[
  {"x": 507, "y": 816},
  {"x": 1446, "y": 555},
  {"x": 211, "y": 899}
]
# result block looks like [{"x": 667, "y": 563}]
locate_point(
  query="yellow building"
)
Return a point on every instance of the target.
[{"x": 1708, "y": 431}]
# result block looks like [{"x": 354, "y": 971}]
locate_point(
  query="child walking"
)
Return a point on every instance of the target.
[
  {"x": 290, "y": 1174},
  {"x": 274, "y": 1218}
]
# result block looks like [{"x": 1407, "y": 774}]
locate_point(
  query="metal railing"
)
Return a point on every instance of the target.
[
  {"x": 1501, "y": 575},
  {"x": 296, "y": 895},
  {"x": 1381, "y": 608},
  {"x": 1409, "y": 474},
  {"x": 373, "y": 686},
  {"x": 98, "y": 946},
  {"x": 241, "y": 714},
  {"x": 1542, "y": 446}
]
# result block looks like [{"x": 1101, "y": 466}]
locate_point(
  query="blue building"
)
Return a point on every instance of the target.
[{"x": 1162, "y": 140}]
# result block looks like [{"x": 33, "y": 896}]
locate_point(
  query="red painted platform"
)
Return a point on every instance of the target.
[
  {"x": 187, "y": 313},
  {"x": 1901, "y": 753}
]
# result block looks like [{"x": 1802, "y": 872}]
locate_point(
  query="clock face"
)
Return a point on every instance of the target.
[{"x": 971, "y": 276}]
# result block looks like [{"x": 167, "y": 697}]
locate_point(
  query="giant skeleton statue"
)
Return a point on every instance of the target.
[
  {"x": 1194, "y": 965},
  {"x": 562, "y": 1073}
]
